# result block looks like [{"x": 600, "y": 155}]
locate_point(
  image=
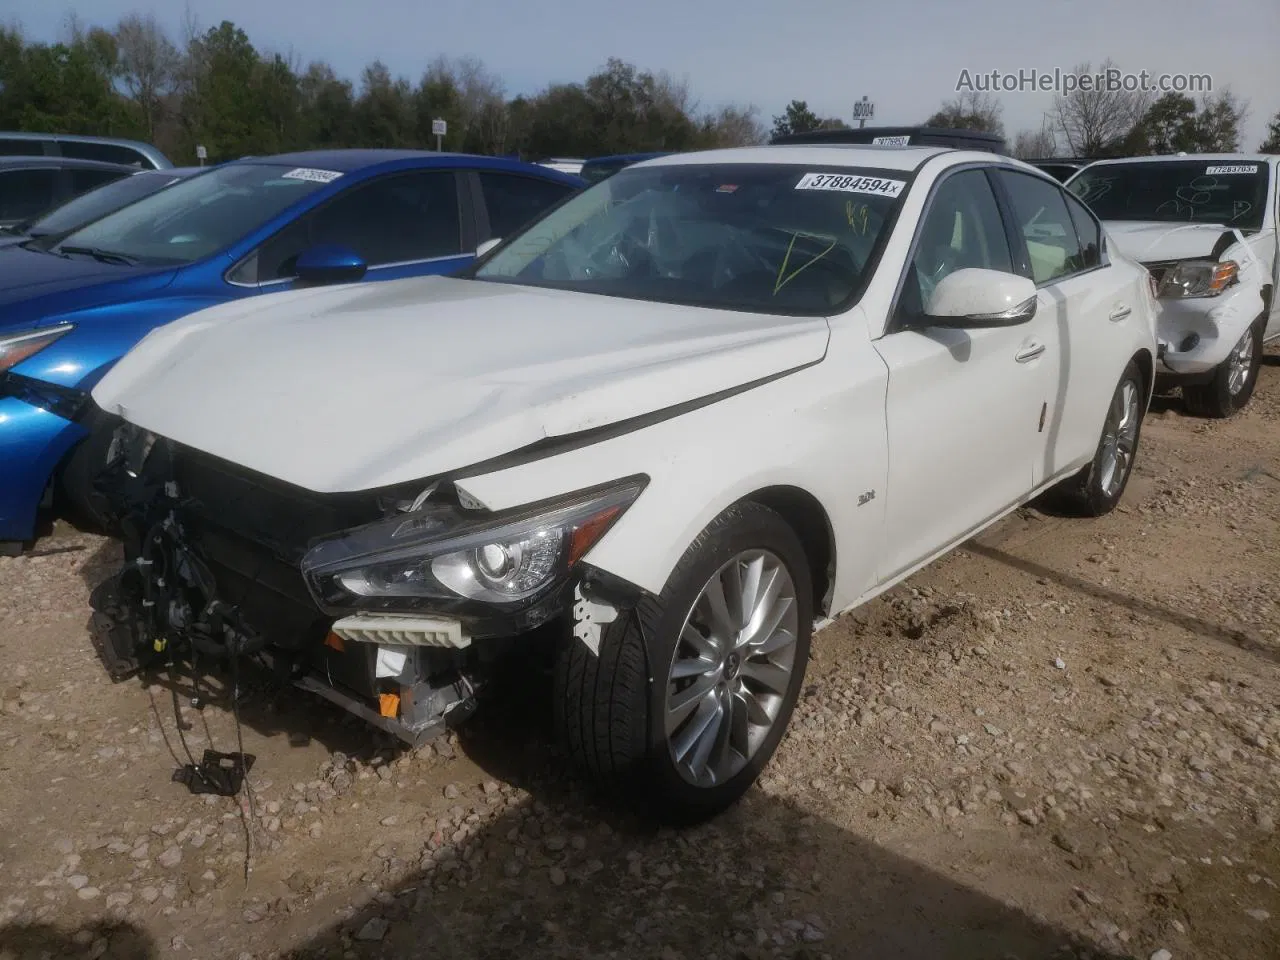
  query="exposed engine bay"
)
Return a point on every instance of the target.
[{"x": 214, "y": 573}]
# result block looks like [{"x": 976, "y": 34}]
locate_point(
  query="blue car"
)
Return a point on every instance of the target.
[
  {"x": 247, "y": 228},
  {"x": 602, "y": 168}
]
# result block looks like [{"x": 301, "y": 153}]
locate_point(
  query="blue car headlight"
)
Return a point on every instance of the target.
[{"x": 17, "y": 347}]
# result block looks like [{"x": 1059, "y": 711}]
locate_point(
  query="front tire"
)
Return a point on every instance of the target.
[
  {"x": 1097, "y": 489},
  {"x": 691, "y": 693},
  {"x": 1233, "y": 380}
]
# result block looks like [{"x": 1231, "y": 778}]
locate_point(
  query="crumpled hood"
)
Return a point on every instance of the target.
[
  {"x": 1149, "y": 242},
  {"x": 360, "y": 386}
]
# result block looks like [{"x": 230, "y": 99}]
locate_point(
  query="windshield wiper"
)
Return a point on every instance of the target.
[{"x": 105, "y": 256}]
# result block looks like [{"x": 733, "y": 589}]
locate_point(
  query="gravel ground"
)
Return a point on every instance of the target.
[{"x": 1061, "y": 741}]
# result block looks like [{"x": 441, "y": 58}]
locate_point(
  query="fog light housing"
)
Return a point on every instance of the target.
[{"x": 1189, "y": 342}]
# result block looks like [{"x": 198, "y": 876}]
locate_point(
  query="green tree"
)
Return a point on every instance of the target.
[
  {"x": 1272, "y": 143},
  {"x": 223, "y": 110},
  {"x": 384, "y": 112},
  {"x": 326, "y": 107}
]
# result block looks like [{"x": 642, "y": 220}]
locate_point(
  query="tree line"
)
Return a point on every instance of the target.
[
  {"x": 215, "y": 89},
  {"x": 1103, "y": 123}
]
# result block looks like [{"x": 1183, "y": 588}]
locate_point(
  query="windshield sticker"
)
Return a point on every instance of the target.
[
  {"x": 315, "y": 176},
  {"x": 1230, "y": 169},
  {"x": 727, "y": 188},
  {"x": 850, "y": 184},
  {"x": 859, "y": 214},
  {"x": 891, "y": 141}
]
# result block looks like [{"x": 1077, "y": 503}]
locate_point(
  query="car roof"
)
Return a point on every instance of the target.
[
  {"x": 70, "y": 163},
  {"x": 147, "y": 150},
  {"x": 354, "y": 160},
  {"x": 1193, "y": 157},
  {"x": 837, "y": 155}
]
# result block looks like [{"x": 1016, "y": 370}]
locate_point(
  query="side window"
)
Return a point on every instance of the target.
[
  {"x": 512, "y": 201},
  {"x": 82, "y": 180},
  {"x": 1088, "y": 231},
  {"x": 1041, "y": 211},
  {"x": 21, "y": 147},
  {"x": 26, "y": 193},
  {"x": 397, "y": 219},
  {"x": 108, "y": 152},
  {"x": 962, "y": 228}
]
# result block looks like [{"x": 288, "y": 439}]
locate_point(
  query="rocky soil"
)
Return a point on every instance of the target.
[{"x": 1061, "y": 741}]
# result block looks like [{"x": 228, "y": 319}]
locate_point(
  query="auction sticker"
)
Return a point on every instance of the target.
[
  {"x": 315, "y": 176},
  {"x": 849, "y": 183},
  {"x": 1230, "y": 168},
  {"x": 891, "y": 141}
]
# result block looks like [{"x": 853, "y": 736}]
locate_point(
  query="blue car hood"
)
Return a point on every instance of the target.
[{"x": 37, "y": 287}]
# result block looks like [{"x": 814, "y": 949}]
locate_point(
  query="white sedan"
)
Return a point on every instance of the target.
[{"x": 663, "y": 433}]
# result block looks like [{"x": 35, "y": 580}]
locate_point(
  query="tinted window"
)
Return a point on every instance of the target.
[
  {"x": 15, "y": 147},
  {"x": 512, "y": 201},
  {"x": 82, "y": 180},
  {"x": 97, "y": 203},
  {"x": 26, "y": 193},
  {"x": 199, "y": 216},
  {"x": 780, "y": 238},
  {"x": 1088, "y": 231},
  {"x": 1040, "y": 209},
  {"x": 393, "y": 220},
  {"x": 962, "y": 228},
  {"x": 1177, "y": 191},
  {"x": 109, "y": 152}
]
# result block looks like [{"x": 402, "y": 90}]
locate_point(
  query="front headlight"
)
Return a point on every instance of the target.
[
  {"x": 19, "y": 347},
  {"x": 449, "y": 560},
  {"x": 1198, "y": 278}
]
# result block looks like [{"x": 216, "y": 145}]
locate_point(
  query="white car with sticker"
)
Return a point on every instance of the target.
[
  {"x": 660, "y": 435},
  {"x": 1205, "y": 226}
]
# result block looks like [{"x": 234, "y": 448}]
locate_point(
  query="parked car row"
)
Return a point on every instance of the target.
[{"x": 657, "y": 432}]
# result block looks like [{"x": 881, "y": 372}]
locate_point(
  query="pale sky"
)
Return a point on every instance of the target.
[{"x": 906, "y": 55}]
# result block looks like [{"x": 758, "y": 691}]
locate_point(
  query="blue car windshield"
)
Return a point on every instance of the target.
[
  {"x": 100, "y": 201},
  {"x": 768, "y": 238},
  {"x": 200, "y": 216}
]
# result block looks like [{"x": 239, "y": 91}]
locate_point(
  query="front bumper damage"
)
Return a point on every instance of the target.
[
  {"x": 1196, "y": 334},
  {"x": 212, "y": 574}
]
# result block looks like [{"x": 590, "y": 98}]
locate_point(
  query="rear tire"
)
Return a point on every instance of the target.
[
  {"x": 1233, "y": 380},
  {"x": 625, "y": 714},
  {"x": 1096, "y": 490}
]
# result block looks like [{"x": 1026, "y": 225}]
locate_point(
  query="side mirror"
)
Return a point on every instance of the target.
[
  {"x": 330, "y": 263},
  {"x": 974, "y": 297},
  {"x": 487, "y": 246}
]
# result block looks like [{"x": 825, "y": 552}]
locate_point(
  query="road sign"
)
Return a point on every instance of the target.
[
  {"x": 202, "y": 154},
  {"x": 439, "y": 127},
  {"x": 863, "y": 110}
]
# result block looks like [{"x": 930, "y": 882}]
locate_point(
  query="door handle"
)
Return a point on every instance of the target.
[
  {"x": 1120, "y": 312},
  {"x": 1029, "y": 352}
]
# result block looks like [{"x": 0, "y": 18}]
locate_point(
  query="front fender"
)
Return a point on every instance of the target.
[
  {"x": 1216, "y": 323},
  {"x": 821, "y": 430}
]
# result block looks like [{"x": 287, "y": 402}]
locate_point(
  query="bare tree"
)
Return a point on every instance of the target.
[
  {"x": 970, "y": 110},
  {"x": 733, "y": 126},
  {"x": 1094, "y": 120},
  {"x": 1035, "y": 144},
  {"x": 149, "y": 64}
]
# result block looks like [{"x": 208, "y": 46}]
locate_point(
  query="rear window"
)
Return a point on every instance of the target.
[
  {"x": 26, "y": 193},
  {"x": 1228, "y": 192},
  {"x": 108, "y": 152}
]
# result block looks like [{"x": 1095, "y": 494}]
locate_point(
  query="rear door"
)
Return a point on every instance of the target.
[{"x": 1085, "y": 300}]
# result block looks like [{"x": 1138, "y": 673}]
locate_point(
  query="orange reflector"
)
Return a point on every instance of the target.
[
  {"x": 584, "y": 537},
  {"x": 1223, "y": 274},
  {"x": 335, "y": 641},
  {"x": 389, "y": 704}
]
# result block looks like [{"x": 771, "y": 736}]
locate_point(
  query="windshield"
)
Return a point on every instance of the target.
[
  {"x": 98, "y": 203},
  {"x": 1233, "y": 193},
  {"x": 762, "y": 237},
  {"x": 200, "y": 216}
]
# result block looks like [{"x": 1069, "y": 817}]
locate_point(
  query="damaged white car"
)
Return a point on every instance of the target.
[
  {"x": 1205, "y": 226},
  {"x": 694, "y": 411}
]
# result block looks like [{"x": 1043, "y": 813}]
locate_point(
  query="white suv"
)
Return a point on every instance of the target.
[{"x": 688, "y": 415}]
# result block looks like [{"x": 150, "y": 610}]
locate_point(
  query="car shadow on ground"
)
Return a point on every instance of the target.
[
  {"x": 38, "y": 941},
  {"x": 561, "y": 874}
]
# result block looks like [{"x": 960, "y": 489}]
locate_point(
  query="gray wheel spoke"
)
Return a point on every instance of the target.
[
  {"x": 718, "y": 605},
  {"x": 749, "y": 584},
  {"x": 686, "y": 700},
  {"x": 705, "y": 741},
  {"x": 752, "y": 709},
  {"x": 768, "y": 611},
  {"x": 683, "y": 669},
  {"x": 695, "y": 730},
  {"x": 704, "y": 646},
  {"x": 769, "y": 675},
  {"x": 774, "y": 641}
]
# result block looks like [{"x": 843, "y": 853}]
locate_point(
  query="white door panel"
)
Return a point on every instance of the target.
[{"x": 963, "y": 422}]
